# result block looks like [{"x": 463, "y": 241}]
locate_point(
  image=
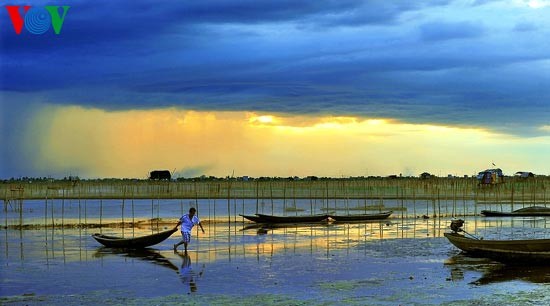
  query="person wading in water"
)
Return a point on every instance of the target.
[{"x": 187, "y": 222}]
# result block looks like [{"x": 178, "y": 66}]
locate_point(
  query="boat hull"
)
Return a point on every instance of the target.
[
  {"x": 271, "y": 219},
  {"x": 362, "y": 217},
  {"x": 291, "y": 219},
  {"x": 509, "y": 251},
  {"x": 533, "y": 211},
  {"x": 253, "y": 218},
  {"x": 492, "y": 213},
  {"x": 133, "y": 243}
]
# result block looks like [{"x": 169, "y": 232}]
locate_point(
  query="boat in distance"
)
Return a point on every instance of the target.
[
  {"x": 526, "y": 251},
  {"x": 532, "y": 211},
  {"x": 263, "y": 218},
  {"x": 133, "y": 243},
  {"x": 291, "y": 219},
  {"x": 361, "y": 217}
]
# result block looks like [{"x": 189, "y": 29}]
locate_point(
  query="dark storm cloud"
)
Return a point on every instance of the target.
[
  {"x": 316, "y": 13},
  {"x": 103, "y": 38},
  {"x": 107, "y": 22},
  {"x": 382, "y": 58}
]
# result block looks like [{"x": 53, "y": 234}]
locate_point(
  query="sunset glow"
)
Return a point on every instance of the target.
[{"x": 81, "y": 141}]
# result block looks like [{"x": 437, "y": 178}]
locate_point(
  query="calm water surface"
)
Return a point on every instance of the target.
[{"x": 402, "y": 260}]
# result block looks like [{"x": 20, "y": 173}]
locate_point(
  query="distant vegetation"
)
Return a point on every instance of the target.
[
  {"x": 511, "y": 188},
  {"x": 424, "y": 175}
]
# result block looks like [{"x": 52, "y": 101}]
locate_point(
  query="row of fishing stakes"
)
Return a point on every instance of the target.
[{"x": 430, "y": 198}]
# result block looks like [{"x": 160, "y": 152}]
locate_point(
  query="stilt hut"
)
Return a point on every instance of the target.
[{"x": 490, "y": 177}]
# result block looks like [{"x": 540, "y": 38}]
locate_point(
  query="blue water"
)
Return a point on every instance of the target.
[
  {"x": 401, "y": 260},
  {"x": 93, "y": 211},
  {"x": 398, "y": 262}
]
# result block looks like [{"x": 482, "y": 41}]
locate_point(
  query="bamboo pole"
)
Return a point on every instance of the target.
[
  {"x": 271, "y": 196},
  {"x": 100, "y": 215},
  {"x": 63, "y": 209},
  {"x": 294, "y": 197},
  {"x": 123, "y": 192},
  {"x": 45, "y": 210},
  {"x": 133, "y": 216},
  {"x": 257, "y": 197},
  {"x": 284, "y": 198},
  {"x": 229, "y": 202}
]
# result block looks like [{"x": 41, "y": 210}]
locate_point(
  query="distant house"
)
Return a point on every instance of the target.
[
  {"x": 490, "y": 177},
  {"x": 524, "y": 174},
  {"x": 426, "y": 175},
  {"x": 160, "y": 175}
]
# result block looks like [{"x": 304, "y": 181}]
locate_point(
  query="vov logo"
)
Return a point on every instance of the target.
[{"x": 37, "y": 20}]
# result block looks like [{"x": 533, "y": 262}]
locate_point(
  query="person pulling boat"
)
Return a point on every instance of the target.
[{"x": 187, "y": 222}]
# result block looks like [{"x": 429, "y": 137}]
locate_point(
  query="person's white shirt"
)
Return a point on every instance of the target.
[{"x": 187, "y": 224}]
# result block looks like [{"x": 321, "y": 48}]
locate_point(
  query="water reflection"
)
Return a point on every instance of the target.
[
  {"x": 460, "y": 266},
  {"x": 504, "y": 273},
  {"x": 187, "y": 275},
  {"x": 227, "y": 239},
  {"x": 493, "y": 272},
  {"x": 291, "y": 257},
  {"x": 224, "y": 241},
  {"x": 149, "y": 255},
  {"x": 56, "y": 211}
]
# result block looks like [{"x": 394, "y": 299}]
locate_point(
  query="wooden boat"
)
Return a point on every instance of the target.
[
  {"x": 532, "y": 211},
  {"x": 253, "y": 218},
  {"x": 272, "y": 226},
  {"x": 361, "y": 217},
  {"x": 133, "y": 243},
  {"x": 528, "y": 251},
  {"x": 291, "y": 219}
]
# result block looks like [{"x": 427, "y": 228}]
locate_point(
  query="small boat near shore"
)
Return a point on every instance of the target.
[
  {"x": 361, "y": 217},
  {"x": 524, "y": 251},
  {"x": 528, "y": 251},
  {"x": 133, "y": 243},
  {"x": 532, "y": 211},
  {"x": 253, "y": 218}
]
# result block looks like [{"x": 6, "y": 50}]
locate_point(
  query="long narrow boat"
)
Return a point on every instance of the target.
[
  {"x": 291, "y": 219},
  {"x": 253, "y": 218},
  {"x": 532, "y": 211},
  {"x": 133, "y": 243},
  {"x": 361, "y": 217},
  {"x": 508, "y": 251}
]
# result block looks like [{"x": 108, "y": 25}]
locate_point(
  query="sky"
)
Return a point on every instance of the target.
[{"x": 275, "y": 88}]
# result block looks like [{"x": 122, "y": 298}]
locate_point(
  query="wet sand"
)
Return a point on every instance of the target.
[{"x": 396, "y": 262}]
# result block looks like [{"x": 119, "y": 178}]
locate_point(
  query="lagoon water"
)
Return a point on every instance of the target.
[
  {"x": 46, "y": 212},
  {"x": 401, "y": 260}
]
